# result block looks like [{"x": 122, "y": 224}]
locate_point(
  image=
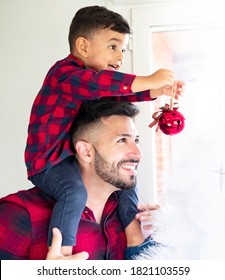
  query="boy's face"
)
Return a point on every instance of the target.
[{"x": 106, "y": 50}]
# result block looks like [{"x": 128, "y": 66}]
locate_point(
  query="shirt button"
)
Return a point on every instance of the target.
[
  {"x": 86, "y": 211},
  {"x": 125, "y": 87}
]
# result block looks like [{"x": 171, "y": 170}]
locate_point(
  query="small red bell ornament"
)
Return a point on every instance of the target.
[{"x": 170, "y": 120}]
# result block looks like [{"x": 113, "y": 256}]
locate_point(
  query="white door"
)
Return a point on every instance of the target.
[{"x": 189, "y": 38}]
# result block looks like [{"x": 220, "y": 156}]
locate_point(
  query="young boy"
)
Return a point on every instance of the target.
[{"x": 98, "y": 38}]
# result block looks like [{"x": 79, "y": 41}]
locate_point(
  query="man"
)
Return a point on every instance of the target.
[{"x": 106, "y": 144}]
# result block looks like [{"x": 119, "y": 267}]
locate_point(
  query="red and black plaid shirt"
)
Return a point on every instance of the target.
[
  {"x": 24, "y": 221},
  {"x": 66, "y": 85}
]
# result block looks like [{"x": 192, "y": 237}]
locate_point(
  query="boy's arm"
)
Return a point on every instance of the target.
[
  {"x": 82, "y": 83},
  {"x": 79, "y": 83},
  {"x": 136, "y": 97},
  {"x": 157, "y": 80},
  {"x": 162, "y": 82}
]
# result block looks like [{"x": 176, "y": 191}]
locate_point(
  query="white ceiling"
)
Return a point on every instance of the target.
[
  {"x": 132, "y": 2},
  {"x": 127, "y": 2},
  {"x": 138, "y": 2}
]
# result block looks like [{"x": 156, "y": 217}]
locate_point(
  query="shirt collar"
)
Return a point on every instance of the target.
[
  {"x": 77, "y": 61},
  {"x": 110, "y": 205}
]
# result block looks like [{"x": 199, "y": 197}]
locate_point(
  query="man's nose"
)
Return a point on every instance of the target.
[{"x": 135, "y": 151}]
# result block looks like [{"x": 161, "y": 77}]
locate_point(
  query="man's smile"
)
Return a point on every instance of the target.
[{"x": 130, "y": 167}]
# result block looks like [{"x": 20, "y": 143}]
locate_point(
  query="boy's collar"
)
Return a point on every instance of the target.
[{"x": 79, "y": 62}]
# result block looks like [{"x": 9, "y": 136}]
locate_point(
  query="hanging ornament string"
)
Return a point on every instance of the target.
[
  {"x": 173, "y": 105},
  {"x": 172, "y": 98},
  {"x": 157, "y": 115}
]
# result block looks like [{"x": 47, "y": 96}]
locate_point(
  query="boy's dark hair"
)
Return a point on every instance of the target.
[
  {"x": 92, "y": 111},
  {"x": 92, "y": 18}
]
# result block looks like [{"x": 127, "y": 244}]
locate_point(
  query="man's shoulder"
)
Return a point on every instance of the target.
[
  {"x": 33, "y": 197},
  {"x": 25, "y": 215}
]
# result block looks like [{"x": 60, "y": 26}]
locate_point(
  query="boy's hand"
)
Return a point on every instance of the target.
[
  {"x": 161, "y": 78},
  {"x": 176, "y": 90},
  {"x": 55, "y": 253},
  {"x": 161, "y": 82}
]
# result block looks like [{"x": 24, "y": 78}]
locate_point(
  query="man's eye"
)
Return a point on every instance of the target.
[{"x": 137, "y": 141}]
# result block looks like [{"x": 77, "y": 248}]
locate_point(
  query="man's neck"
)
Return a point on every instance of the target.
[{"x": 98, "y": 193}]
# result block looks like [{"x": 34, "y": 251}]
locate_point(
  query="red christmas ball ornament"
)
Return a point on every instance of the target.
[{"x": 170, "y": 120}]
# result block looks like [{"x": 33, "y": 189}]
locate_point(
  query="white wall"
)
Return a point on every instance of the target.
[{"x": 33, "y": 35}]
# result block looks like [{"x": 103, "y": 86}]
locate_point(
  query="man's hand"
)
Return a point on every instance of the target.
[
  {"x": 145, "y": 214},
  {"x": 55, "y": 253}
]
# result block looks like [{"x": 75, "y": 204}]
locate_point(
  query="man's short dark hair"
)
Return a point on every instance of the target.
[
  {"x": 89, "y": 19},
  {"x": 92, "y": 111}
]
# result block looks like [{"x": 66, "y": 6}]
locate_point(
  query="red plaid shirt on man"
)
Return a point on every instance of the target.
[
  {"x": 65, "y": 87},
  {"x": 24, "y": 221}
]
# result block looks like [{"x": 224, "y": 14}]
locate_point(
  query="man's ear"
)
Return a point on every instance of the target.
[
  {"x": 84, "y": 150},
  {"x": 82, "y": 45}
]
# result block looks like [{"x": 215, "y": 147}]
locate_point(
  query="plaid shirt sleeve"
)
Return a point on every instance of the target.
[
  {"x": 15, "y": 232},
  {"x": 65, "y": 87}
]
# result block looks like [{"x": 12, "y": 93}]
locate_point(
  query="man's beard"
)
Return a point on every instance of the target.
[{"x": 110, "y": 173}]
